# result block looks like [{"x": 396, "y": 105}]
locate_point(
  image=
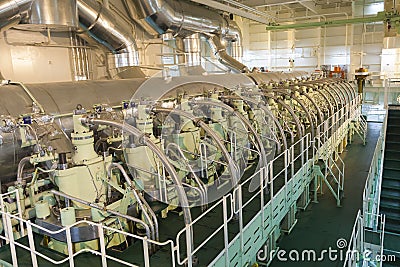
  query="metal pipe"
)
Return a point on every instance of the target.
[
  {"x": 381, "y": 16},
  {"x": 109, "y": 30},
  {"x": 330, "y": 105},
  {"x": 231, "y": 163},
  {"x": 198, "y": 190},
  {"x": 245, "y": 122},
  {"x": 129, "y": 182},
  {"x": 13, "y": 11},
  {"x": 289, "y": 109},
  {"x": 133, "y": 14},
  {"x": 26, "y": 90},
  {"x": 156, "y": 150},
  {"x": 219, "y": 51},
  {"x": 234, "y": 38},
  {"x": 203, "y": 189},
  {"x": 320, "y": 115},
  {"x": 184, "y": 18},
  {"x": 113, "y": 212},
  {"x": 21, "y": 166},
  {"x": 262, "y": 106},
  {"x": 295, "y": 117},
  {"x": 153, "y": 215},
  {"x": 302, "y": 106}
]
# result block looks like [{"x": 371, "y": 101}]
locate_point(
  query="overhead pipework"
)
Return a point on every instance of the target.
[
  {"x": 39, "y": 14},
  {"x": 12, "y": 12},
  {"x": 96, "y": 23},
  {"x": 389, "y": 17},
  {"x": 183, "y": 19},
  {"x": 112, "y": 33},
  {"x": 52, "y": 14},
  {"x": 234, "y": 40}
]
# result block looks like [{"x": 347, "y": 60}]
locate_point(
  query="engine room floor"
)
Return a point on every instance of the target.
[{"x": 322, "y": 224}]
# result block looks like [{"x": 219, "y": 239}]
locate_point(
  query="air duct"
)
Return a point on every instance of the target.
[
  {"x": 189, "y": 55},
  {"x": 234, "y": 39},
  {"x": 219, "y": 50},
  {"x": 38, "y": 14},
  {"x": 53, "y": 14},
  {"x": 184, "y": 19},
  {"x": 96, "y": 21},
  {"x": 12, "y": 12},
  {"x": 113, "y": 33}
]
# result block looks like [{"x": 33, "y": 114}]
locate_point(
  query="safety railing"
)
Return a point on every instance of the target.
[
  {"x": 333, "y": 129},
  {"x": 226, "y": 201},
  {"x": 372, "y": 185},
  {"x": 358, "y": 245},
  {"x": 334, "y": 168},
  {"x": 10, "y": 220},
  {"x": 17, "y": 210},
  {"x": 265, "y": 193},
  {"x": 382, "y": 160}
]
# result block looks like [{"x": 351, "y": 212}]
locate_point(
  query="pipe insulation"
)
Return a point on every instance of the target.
[
  {"x": 13, "y": 11},
  {"x": 110, "y": 31},
  {"x": 185, "y": 18}
]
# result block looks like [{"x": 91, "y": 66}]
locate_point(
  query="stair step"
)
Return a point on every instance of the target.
[
  {"x": 391, "y": 164},
  {"x": 392, "y": 243},
  {"x": 394, "y": 184},
  {"x": 391, "y": 216},
  {"x": 393, "y": 118},
  {"x": 393, "y": 137},
  {"x": 392, "y": 227},
  {"x": 388, "y": 177},
  {"x": 391, "y": 173},
  {"x": 390, "y": 204},
  {"x": 394, "y": 113},
  {"x": 393, "y": 129},
  {"x": 392, "y": 145},
  {"x": 393, "y": 156},
  {"x": 390, "y": 193}
]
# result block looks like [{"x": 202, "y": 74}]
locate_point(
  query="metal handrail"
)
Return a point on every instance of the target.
[
  {"x": 372, "y": 183},
  {"x": 8, "y": 228},
  {"x": 382, "y": 160}
]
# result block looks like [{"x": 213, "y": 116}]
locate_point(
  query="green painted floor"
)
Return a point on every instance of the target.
[{"x": 322, "y": 224}]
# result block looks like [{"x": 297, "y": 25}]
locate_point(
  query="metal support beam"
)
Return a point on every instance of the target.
[
  {"x": 242, "y": 11},
  {"x": 381, "y": 16},
  {"x": 310, "y": 6}
]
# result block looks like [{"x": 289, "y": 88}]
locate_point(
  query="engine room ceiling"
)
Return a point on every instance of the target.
[{"x": 269, "y": 8}]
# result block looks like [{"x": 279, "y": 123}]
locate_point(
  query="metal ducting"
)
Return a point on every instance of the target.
[
  {"x": 53, "y": 14},
  {"x": 181, "y": 17},
  {"x": 234, "y": 38},
  {"x": 96, "y": 21},
  {"x": 189, "y": 55},
  {"x": 184, "y": 18},
  {"x": 112, "y": 33},
  {"x": 38, "y": 14},
  {"x": 219, "y": 50},
  {"x": 12, "y": 12}
]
